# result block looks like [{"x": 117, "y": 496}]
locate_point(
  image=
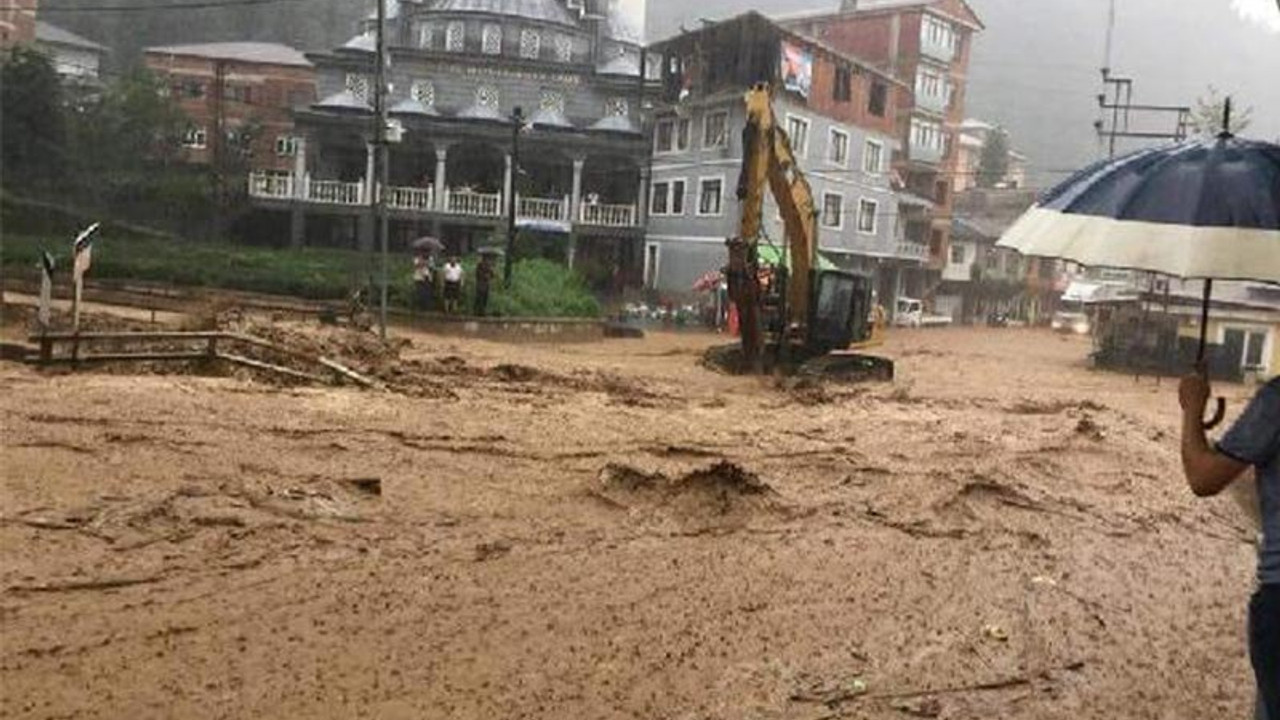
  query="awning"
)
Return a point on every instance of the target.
[{"x": 775, "y": 255}]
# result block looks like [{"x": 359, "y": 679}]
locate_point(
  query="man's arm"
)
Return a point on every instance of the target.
[{"x": 1208, "y": 471}]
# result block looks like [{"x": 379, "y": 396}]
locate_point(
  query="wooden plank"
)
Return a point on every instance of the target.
[
  {"x": 352, "y": 375},
  {"x": 91, "y": 336},
  {"x": 278, "y": 369},
  {"x": 130, "y": 357}
]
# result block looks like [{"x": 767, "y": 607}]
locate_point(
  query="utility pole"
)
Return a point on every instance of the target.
[
  {"x": 217, "y": 150},
  {"x": 517, "y": 126},
  {"x": 1117, "y": 98},
  {"x": 381, "y": 161}
]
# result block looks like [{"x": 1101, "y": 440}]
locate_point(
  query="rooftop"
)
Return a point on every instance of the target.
[
  {"x": 55, "y": 35},
  {"x": 550, "y": 11},
  {"x": 249, "y": 52}
]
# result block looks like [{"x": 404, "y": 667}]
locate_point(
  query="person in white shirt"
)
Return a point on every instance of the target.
[{"x": 453, "y": 275}]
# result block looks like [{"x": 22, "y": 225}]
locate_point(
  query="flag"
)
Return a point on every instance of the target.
[{"x": 82, "y": 253}]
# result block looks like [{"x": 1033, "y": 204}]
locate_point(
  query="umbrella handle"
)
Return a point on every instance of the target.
[{"x": 1219, "y": 412}]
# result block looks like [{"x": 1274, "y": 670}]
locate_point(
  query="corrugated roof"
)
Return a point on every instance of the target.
[
  {"x": 551, "y": 11},
  {"x": 344, "y": 100},
  {"x": 253, "y": 52},
  {"x": 47, "y": 33}
]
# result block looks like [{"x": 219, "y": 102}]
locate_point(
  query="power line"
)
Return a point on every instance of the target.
[{"x": 202, "y": 5}]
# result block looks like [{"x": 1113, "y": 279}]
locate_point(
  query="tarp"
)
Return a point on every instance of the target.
[{"x": 775, "y": 255}]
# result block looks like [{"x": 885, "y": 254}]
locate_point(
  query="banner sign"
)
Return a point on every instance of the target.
[{"x": 797, "y": 69}]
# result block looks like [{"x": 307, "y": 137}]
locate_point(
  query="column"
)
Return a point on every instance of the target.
[
  {"x": 508, "y": 184},
  {"x": 442, "y": 178},
  {"x": 300, "y": 170},
  {"x": 642, "y": 205},
  {"x": 575, "y": 209},
  {"x": 368, "y": 173}
]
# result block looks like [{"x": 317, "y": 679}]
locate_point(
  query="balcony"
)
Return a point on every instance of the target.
[
  {"x": 546, "y": 212},
  {"x": 473, "y": 204},
  {"x": 913, "y": 251},
  {"x": 931, "y": 103},
  {"x": 936, "y": 49},
  {"x": 924, "y": 154},
  {"x": 611, "y": 216}
]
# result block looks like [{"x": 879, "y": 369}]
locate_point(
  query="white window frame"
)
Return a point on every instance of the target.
[
  {"x": 826, "y": 224},
  {"x": 491, "y": 32},
  {"x": 286, "y": 146},
  {"x": 832, "y": 134},
  {"x": 875, "y": 210},
  {"x": 455, "y": 31},
  {"x": 195, "y": 137},
  {"x": 526, "y": 43},
  {"x": 651, "y": 280},
  {"x": 964, "y": 254},
  {"x": 703, "y": 181},
  {"x": 669, "y": 196},
  {"x": 706, "y": 127},
  {"x": 564, "y": 48},
  {"x": 674, "y": 123},
  {"x": 800, "y": 149},
  {"x": 665, "y": 195},
  {"x": 879, "y": 168},
  {"x": 426, "y": 35}
]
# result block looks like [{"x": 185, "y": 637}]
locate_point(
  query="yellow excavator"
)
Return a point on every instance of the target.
[{"x": 794, "y": 316}]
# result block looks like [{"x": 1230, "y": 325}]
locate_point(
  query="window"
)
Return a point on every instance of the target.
[
  {"x": 842, "y": 88},
  {"x": 940, "y": 191},
  {"x": 530, "y": 44},
  {"x": 872, "y": 157},
  {"x": 424, "y": 92},
  {"x": 455, "y": 37},
  {"x": 710, "y": 196},
  {"x": 237, "y": 93},
  {"x": 838, "y": 147},
  {"x": 564, "y": 48},
  {"x": 957, "y": 255},
  {"x": 195, "y": 138},
  {"x": 926, "y": 134},
  {"x": 487, "y": 97},
  {"x": 878, "y": 99},
  {"x": 617, "y": 107},
  {"x": 652, "y": 262},
  {"x": 833, "y": 211},
  {"x": 426, "y": 35},
  {"x": 659, "y": 198},
  {"x": 798, "y": 131},
  {"x": 715, "y": 130},
  {"x": 867, "y": 210},
  {"x": 551, "y": 101},
  {"x": 190, "y": 89},
  {"x": 1253, "y": 345},
  {"x": 671, "y": 135},
  {"x": 357, "y": 85},
  {"x": 938, "y": 32},
  {"x": 491, "y": 39},
  {"x": 286, "y": 146},
  {"x": 667, "y": 198}
]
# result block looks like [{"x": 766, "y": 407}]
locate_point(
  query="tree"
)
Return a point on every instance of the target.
[
  {"x": 32, "y": 118},
  {"x": 993, "y": 164},
  {"x": 1210, "y": 110}
]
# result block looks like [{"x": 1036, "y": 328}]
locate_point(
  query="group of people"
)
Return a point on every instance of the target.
[{"x": 449, "y": 282}]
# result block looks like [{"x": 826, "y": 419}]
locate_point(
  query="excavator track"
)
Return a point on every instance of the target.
[{"x": 842, "y": 366}]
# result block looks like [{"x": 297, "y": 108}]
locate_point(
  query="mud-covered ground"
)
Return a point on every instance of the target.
[{"x": 612, "y": 531}]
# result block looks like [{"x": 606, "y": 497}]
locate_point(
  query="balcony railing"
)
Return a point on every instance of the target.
[
  {"x": 411, "y": 198},
  {"x": 542, "y": 209},
  {"x": 473, "y": 204},
  {"x": 924, "y": 153},
  {"x": 913, "y": 251},
  {"x": 933, "y": 48},
  {"x": 931, "y": 103},
  {"x": 616, "y": 216},
  {"x": 335, "y": 192},
  {"x": 280, "y": 186}
]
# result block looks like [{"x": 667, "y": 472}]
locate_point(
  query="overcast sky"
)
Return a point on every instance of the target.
[{"x": 1035, "y": 68}]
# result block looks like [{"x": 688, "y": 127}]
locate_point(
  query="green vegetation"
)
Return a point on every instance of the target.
[{"x": 540, "y": 288}]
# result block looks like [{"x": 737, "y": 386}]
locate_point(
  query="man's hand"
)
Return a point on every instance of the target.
[{"x": 1193, "y": 394}]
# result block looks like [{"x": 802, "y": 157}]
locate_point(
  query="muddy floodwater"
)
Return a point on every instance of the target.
[{"x": 610, "y": 530}]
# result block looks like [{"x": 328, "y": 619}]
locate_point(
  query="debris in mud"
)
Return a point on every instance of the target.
[
  {"x": 722, "y": 489},
  {"x": 919, "y": 707},
  {"x": 492, "y": 550},
  {"x": 1089, "y": 428},
  {"x": 516, "y": 373},
  {"x": 1051, "y": 407}
]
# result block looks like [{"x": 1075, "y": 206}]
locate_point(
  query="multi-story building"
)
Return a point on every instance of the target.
[
  {"x": 926, "y": 43},
  {"x": 77, "y": 60},
  {"x": 840, "y": 116},
  {"x": 459, "y": 69},
  {"x": 17, "y": 23},
  {"x": 238, "y": 98},
  {"x": 970, "y": 141}
]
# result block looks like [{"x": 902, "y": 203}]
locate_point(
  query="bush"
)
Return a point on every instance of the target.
[{"x": 541, "y": 288}]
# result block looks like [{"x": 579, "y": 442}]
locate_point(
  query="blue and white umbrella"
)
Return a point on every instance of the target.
[{"x": 1207, "y": 208}]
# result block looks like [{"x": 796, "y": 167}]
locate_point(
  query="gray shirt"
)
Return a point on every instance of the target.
[{"x": 1255, "y": 440}]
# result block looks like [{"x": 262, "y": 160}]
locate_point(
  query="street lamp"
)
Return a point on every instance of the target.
[{"x": 517, "y": 125}]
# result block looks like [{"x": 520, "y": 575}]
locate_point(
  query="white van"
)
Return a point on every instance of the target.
[{"x": 908, "y": 312}]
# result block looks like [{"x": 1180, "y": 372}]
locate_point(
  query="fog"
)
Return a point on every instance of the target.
[{"x": 1035, "y": 67}]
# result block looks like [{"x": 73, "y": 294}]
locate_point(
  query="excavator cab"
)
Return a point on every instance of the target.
[{"x": 840, "y": 311}]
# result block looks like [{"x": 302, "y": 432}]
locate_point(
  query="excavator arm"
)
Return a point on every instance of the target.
[{"x": 768, "y": 162}]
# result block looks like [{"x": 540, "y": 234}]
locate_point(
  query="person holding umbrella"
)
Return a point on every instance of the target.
[{"x": 1205, "y": 209}]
